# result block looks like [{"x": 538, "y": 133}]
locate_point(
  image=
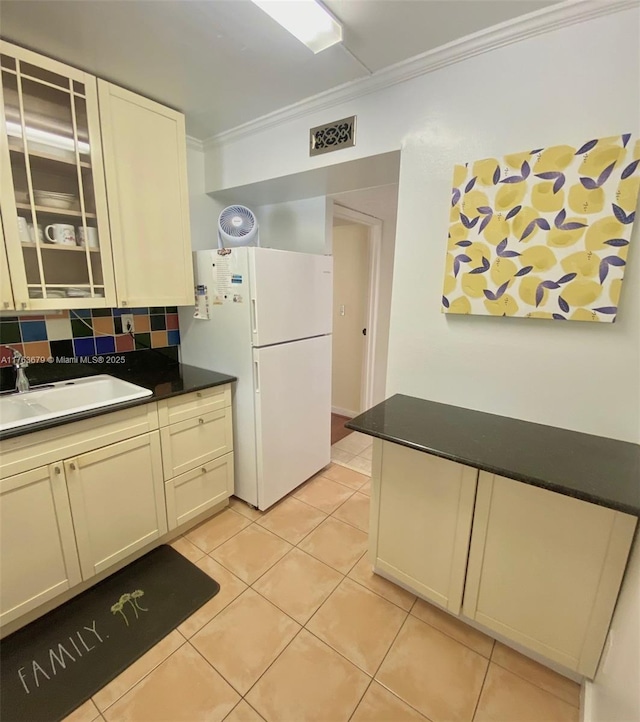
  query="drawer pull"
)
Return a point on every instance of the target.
[
  {"x": 203, "y": 470},
  {"x": 199, "y": 394},
  {"x": 201, "y": 421}
]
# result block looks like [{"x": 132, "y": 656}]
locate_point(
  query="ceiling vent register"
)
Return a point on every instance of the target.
[{"x": 333, "y": 136}]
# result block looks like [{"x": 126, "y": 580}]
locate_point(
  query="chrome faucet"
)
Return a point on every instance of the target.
[{"x": 20, "y": 363}]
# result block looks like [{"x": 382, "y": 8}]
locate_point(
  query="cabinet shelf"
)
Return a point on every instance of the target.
[
  {"x": 59, "y": 247},
  {"x": 54, "y": 211},
  {"x": 48, "y": 159}
]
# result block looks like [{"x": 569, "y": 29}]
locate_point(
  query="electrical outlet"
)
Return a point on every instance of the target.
[{"x": 127, "y": 322}]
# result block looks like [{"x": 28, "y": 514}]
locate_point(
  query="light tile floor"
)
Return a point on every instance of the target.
[
  {"x": 354, "y": 452},
  {"x": 302, "y": 630}
]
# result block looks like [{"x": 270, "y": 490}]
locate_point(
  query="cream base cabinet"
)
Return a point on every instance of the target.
[
  {"x": 117, "y": 501},
  {"x": 191, "y": 494},
  {"x": 421, "y": 515},
  {"x": 545, "y": 569},
  {"x": 38, "y": 556},
  {"x": 146, "y": 173},
  {"x": 196, "y": 431}
]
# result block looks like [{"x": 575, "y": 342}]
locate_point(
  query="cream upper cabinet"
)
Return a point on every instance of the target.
[
  {"x": 545, "y": 569},
  {"x": 52, "y": 187},
  {"x": 421, "y": 514},
  {"x": 117, "y": 501},
  {"x": 6, "y": 292},
  {"x": 38, "y": 557},
  {"x": 146, "y": 173}
]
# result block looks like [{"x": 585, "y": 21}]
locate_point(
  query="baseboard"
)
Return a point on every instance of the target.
[{"x": 344, "y": 412}]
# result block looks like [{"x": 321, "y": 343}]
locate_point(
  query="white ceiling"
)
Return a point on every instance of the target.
[{"x": 225, "y": 62}]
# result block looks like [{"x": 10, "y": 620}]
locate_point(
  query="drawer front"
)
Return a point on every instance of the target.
[
  {"x": 200, "y": 489},
  {"x": 193, "y": 442},
  {"x": 60, "y": 442},
  {"x": 188, "y": 406}
]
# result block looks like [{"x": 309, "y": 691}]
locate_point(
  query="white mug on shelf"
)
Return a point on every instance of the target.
[
  {"x": 32, "y": 235},
  {"x": 61, "y": 233},
  {"x": 91, "y": 237},
  {"x": 23, "y": 230}
]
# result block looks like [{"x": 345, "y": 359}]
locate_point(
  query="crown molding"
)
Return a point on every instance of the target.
[
  {"x": 540, "y": 22},
  {"x": 194, "y": 143}
]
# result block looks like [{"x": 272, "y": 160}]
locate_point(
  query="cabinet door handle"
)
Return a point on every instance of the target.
[
  {"x": 201, "y": 421},
  {"x": 204, "y": 471},
  {"x": 56, "y": 469},
  {"x": 6, "y": 304},
  {"x": 199, "y": 394},
  {"x": 23, "y": 305},
  {"x": 72, "y": 466}
]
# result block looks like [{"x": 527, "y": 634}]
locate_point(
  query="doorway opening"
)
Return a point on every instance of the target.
[{"x": 356, "y": 246}]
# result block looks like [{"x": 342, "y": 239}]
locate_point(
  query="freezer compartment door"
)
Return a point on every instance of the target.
[
  {"x": 292, "y": 384},
  {"x": 291, "y": 295}
]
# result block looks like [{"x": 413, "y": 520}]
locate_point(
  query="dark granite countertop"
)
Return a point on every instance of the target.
[
  {"x": 592, "y": 468},
  {"x": 164, "y": 375}
]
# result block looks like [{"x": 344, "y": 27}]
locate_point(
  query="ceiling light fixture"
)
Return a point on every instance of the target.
[{"x": 308, "y": 20}]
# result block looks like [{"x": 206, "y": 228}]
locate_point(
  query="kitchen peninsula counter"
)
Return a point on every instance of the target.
[
  {"x": 591, "y": 468},
  {"x": 520, "y": 528}
]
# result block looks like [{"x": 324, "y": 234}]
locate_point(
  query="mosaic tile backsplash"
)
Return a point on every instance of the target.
[{"x": 86, "y": 332}]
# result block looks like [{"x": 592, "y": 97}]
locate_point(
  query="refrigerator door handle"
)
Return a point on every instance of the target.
[
  {"x": 254, "y": 316},
  {"x": 257, "y": 370}
]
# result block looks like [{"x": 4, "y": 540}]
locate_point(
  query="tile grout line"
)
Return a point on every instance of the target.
[
  {"x": 373, "y": 591},
  {"x": 235, "y": 574},
  {"x": 375, "y": 679},
  {"x": 339, "y": 653},
  {"x": 144, "y": 676},
  {"x": 530, "y": 681},
  {"x": 450, "y": 636},
  {"x": 484, "y": 681},
  {"x": 206, "y": 521},
  {"x": 307, "y": 534},
  {"x": 217, "y": 671},
  {"x": 295, "y": 636},
  {"x": 366, "y": 531},
  {"x": 282, "y": 558},
  {"x": 199, "y": 629},
  {"x": 355, "y": 709}
]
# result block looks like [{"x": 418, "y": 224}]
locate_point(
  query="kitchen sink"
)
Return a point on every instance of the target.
[{"x": 65, "y": 398}]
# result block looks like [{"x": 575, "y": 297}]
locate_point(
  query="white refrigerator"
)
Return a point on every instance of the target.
[{"x": 265, "y": 316}]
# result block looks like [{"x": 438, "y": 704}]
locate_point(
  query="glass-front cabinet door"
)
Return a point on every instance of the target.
[
  {"x": 6, "y": 292},
  {"x": 52, "y": 191}
]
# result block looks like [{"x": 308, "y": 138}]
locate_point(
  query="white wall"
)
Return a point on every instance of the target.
[
  {"x": 614, "y": 695},
  {"x": 301, "y": 225},
  {"x": 204, "y": 210},
  {"x": 575, "y": 83}
]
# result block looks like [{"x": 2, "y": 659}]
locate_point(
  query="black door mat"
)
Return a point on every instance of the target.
[{"x": 54, "y": 664}]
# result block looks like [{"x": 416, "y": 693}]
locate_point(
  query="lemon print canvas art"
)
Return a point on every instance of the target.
[{"x": 543, "y": 233}]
